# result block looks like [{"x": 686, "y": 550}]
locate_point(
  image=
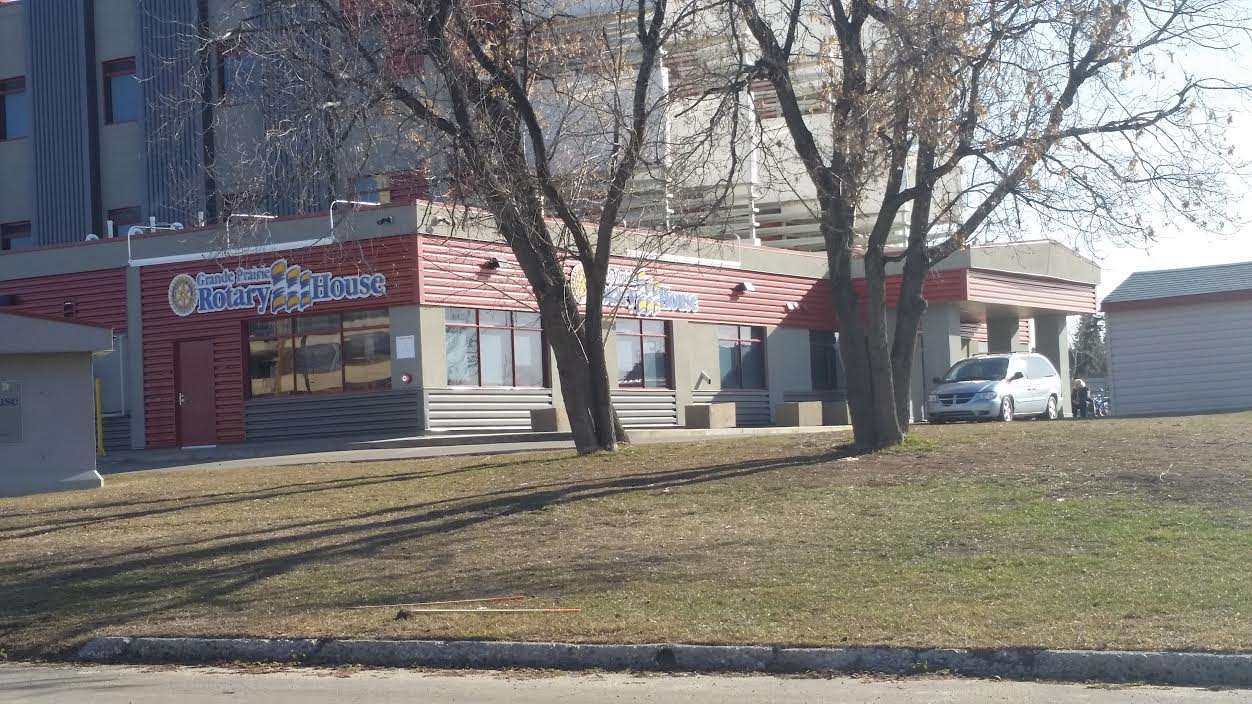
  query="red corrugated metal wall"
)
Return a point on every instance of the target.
[
  {"x": 98, "y": 297},
  {"x": 396, "y": 257},
  {"x": 452, "y": 275},
  {"x": 1020, "y": 290}
]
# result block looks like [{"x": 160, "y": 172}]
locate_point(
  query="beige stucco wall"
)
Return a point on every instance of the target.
[
  {"x": 787, "y": 363},
  {"x": 696, "y": 351},
  {"x": 434, "y": 354},
  {"x": 121, "y": 145},
  {"x": 121, "y": 167},
  {"x": 12, "y": 43},
  {"x": 57, "y": 449},
  {"x": 406, "y": 320},
  {"x": 17, "y": 195},
  {"x": 116, "y": 29},
  {"x": 15, "y": 156}
]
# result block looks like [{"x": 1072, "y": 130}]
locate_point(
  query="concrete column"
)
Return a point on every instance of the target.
[
  {"x": 1052, "y": 341},
  {"x": 681, "y": 358},
  {"x": 941, "y": 341},
  {"x": 431, "y": 340},
  {"x": 406, "y": 322},
  {"x": 1002, "y": 334},
  {"x": 702, "y": 356},
  {"x": 134, "y": 361},
  {"x": 610, "y": 355},
  {"x": 554, "y": 380},
  {"x": 787, "y": 363}
]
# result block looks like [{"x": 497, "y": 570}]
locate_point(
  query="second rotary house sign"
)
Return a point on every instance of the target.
[
  {"x": 635, "y": 292},
  {"x": 278, "y": 288}
]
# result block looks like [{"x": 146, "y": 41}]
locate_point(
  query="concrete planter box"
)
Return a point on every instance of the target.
[
  {"x": 549, "y": 420},
  {"x": 796, "y": 414},
  {"x": 836, "y": 413},
  {"x": 712, "y": 415}
]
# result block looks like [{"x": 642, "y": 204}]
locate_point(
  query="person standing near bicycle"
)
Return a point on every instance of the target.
[{"x": 1080, "y": 399}]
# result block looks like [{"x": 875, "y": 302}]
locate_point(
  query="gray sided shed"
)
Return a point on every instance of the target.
[
  {"x": 47, "y": 404},
  {"x": 1178, "y": 341}
]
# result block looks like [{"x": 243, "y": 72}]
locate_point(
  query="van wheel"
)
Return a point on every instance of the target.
[
  {"x": 1006, "y": 410},
  {"x": 1053, "y": 412}
]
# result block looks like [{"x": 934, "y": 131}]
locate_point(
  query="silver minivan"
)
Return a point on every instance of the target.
[{"x": 999, "y": 387}]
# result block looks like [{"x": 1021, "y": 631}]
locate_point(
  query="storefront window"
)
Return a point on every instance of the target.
[
  {"x": 642, "y": 354},
  {"x": 319, "y": 353},
  {"x": 824, "y": 360},
  {"x": 494, "y": 348},
  {"x": 741, "y": 351}
]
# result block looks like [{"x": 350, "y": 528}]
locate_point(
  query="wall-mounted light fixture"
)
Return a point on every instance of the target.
[
  {"x": 744, "y": 287},
  {"x": 791, "y": 306},
  {"x": 491, "y": 264}
]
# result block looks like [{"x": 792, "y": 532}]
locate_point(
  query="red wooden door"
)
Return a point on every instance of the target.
[{"x": 194, "y": 394}]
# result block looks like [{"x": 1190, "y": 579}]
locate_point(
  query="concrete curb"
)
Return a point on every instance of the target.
[{"x": 1164, "y": 668}]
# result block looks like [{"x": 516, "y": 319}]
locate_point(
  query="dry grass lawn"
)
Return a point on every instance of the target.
[{"x": 1099, "y": 534}]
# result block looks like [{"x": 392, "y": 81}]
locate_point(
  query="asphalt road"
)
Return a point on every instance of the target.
[{"x": 130, "y": 685}]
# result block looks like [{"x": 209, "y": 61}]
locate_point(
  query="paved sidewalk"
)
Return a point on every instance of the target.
[
  {"x": 37, "y": 684},
  {"x": 283, "y": 454}
]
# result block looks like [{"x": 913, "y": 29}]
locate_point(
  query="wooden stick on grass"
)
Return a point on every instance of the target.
[
  {"x": 510, "y": 597},
  {"x": 491, "y": 611}
]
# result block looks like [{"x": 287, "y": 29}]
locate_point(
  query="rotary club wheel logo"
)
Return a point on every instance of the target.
[
  {"x": 578, "y": 284},
  {"x": 182, "y": 295}
]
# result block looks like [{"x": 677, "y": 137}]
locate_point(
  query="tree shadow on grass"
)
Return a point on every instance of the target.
[
  {"x": 66, "y": 601},
  {"x": 181, "y": 503}
]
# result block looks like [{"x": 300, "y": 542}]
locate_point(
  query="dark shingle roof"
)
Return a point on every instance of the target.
[{"x": 1172, "y": 283}]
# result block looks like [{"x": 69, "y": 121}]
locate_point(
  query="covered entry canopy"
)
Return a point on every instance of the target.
[
  {"x": 1016, "y": 297},
  {"x": 47, "y": 404}
]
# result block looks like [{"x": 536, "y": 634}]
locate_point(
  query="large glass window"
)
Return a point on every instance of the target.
[
  {"x": 121, "y": 91},
  {"x": 494, "y": 348},
  {"x": 319, "y": 353},
  {"x": 741, "y": 352},
  {"x": 642, "y": 353},
  {"x": 14, "y": 109},
  {"x": 824, "y": 360}
]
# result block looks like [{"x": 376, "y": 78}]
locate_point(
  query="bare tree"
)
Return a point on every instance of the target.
[
  {"x": 987, "y": 118},
  {"x": 552, "y": 117}
]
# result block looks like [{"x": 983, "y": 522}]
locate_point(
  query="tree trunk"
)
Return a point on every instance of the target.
[
  {"x": 580, "y": 362},
  {"x": 912, "y": 301},
  {"x": 608, "y": 429},
  {"x": 909, "y": 311},
  {"x": 865, "y": 360},
  {"x": 886, "y": 420}
]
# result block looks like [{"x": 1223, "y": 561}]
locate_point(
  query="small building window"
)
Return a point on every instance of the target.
[
  {"x": 14, "y": 109},
  {"x": 494, "y": 348},
  {"x": 237, "y": 72},
  {"x": 123, "y": 219},
  {"x": 121, "y": 91},
  {"x": 15, "y": 236},
  {"x": 824, "y": 360},
  {"x": 319, "y": 354},
  {"x": 642, "y": 353},
  {"x": 741, "y": 353}
]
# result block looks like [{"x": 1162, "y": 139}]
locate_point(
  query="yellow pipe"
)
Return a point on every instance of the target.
[{"x": 99, "y": 423}]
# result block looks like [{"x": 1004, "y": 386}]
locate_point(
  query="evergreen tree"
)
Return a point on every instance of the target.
[{"x": 1087, "y": 356}]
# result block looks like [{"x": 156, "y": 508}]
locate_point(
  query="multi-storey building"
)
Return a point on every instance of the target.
[{"x": 401, "y": 323}]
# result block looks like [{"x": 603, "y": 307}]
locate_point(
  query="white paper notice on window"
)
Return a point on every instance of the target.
[{"x": 406, "y": 347}]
